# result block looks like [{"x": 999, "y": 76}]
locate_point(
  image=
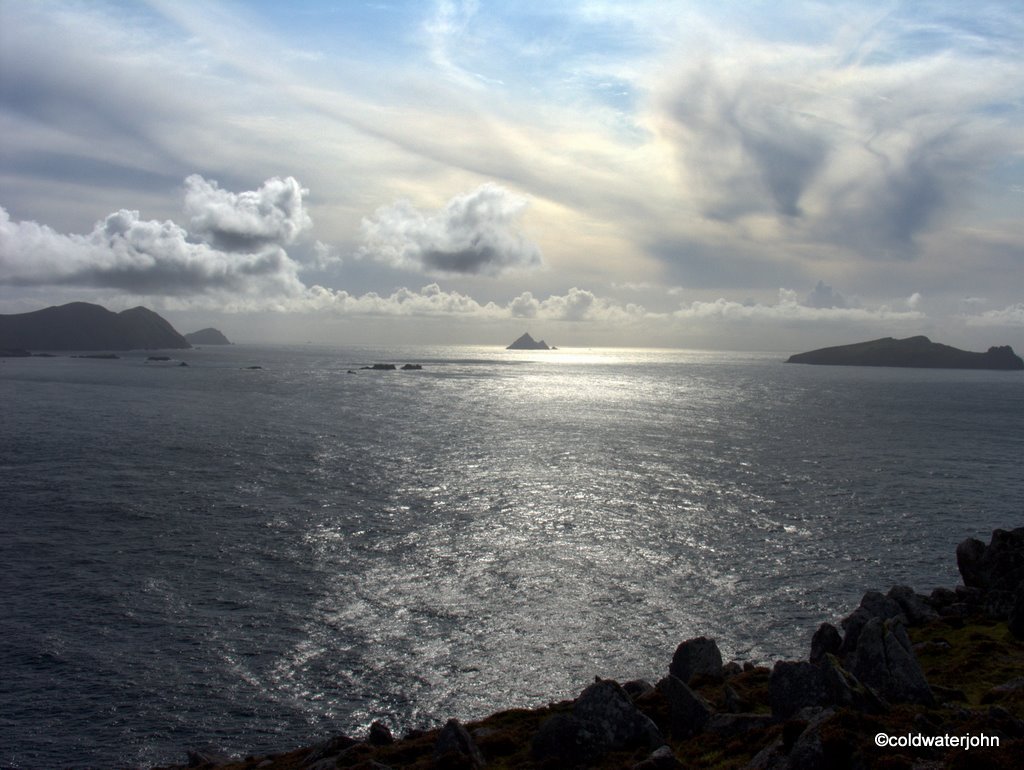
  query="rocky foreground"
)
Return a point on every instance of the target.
[{"x": 946, "y": 668}]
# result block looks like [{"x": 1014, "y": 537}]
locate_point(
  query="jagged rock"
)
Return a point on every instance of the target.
[
  {"x": 603, "y": 719},
  {"x": 883, "y": 660},
  {"x": 695, "y": 657},
  {"x": 380, "y": 734},
  {"x": 797, "y": 685},
  {"x": 731, "y": 669},
  {"x": 332, "y": 747},
  {"x": 969, "y": 555},
  {"x": 455, "y": 747},
  {"x": 637, "y": 687},
  {"x": 873, "y": 605},
  {"x": 942, "y": 597},
  {"x": 826, "y": 641},
  {"x": 799, "y": 748},
  {"x": 736, "y": 724},
  {"x": 1016, "y": 619},
  {"x": 564, "y": 739},
  {"x": 794, "y": 685},
  {"x": 734, "y": 702},
  {"x": 916, "y": 608},
  {"x": 411, "y": 367},
  {"x": 660, "y": 759},
  {"x": 970, "y": 595},
  {"x": 996, "y": 569},
  {"x": 207, "y": 756},
  {"x": 688, "y": 712},
  {"x": 617, "y": 723},
  {"x": 808, "y": 752},
  {"x": 846, "y": 690}
]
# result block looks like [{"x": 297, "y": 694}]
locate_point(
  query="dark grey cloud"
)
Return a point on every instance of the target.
[
  {"x": 149, "y": 257},
  {"x": 475, "y": 233},
  {"x": 745, "y": 143},
  {"x": 901, "y": 195}
]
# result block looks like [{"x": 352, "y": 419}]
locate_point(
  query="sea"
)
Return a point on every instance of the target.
[{"x": 273, "y": 545}]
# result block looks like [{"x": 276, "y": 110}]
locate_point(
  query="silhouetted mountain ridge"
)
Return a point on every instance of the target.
[
  {"x": 918, "y": 352},
  {"x": 84, "y": 326}
]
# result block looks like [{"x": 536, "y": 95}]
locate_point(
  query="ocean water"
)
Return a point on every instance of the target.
[{"x": 258, "y": 558}]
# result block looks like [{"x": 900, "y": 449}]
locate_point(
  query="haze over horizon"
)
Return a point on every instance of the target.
[{"x": 709, "y": 175}]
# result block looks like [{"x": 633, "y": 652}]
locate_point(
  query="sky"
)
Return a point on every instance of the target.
[{"x": 729, "y": 175}]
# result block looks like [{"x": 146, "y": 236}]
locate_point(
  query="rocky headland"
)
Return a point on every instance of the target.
[
  {"x": 938, "y": 673},
  {"x": 208, "y": 336},
  {"x": 83, "y": 326},
  {"x": 916, "y": 352}
]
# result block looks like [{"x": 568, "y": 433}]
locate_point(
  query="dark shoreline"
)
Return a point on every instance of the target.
[{"x": 947, "y": 667}]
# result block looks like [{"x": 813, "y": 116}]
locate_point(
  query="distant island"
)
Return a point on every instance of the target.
[
  {"x": 84, "y": 326},
  {"x": 526, "y": 342},
  {"x": 917, "y": 352},
  {"x": 208, "y": 336}
]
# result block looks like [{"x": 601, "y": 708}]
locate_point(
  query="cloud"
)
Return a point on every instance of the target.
[
  {"x": 475, "y": 233},
  {"x": 576, "y": 305},
  {"x": 580, "y": 304},
  {"x": 790, "y": 309},
  {"x": 246, "y": 221},
  {"x": 1012, "y": 316},
  {"x": 824, "y": 296},
  {"x": 236, "y": 246},
  {"x": 866, "y": 155}
]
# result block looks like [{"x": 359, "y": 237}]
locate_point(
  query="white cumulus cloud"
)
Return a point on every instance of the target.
[
  {"x": 475, "y": 233},
  {"x": 249, "y": 220},
  {"x": 235, "y": 243}
]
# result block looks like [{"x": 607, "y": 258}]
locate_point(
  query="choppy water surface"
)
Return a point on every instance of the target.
[{"x": 254, "y": 558}]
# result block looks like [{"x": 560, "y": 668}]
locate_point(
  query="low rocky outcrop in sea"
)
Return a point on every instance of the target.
[
  {"x": 942, "y": 674},
  {"x": 208, "y": 336},
  {"x": 916, "y": 352},
  {"x": 84, "y": 326},
  {"x": 526, "y": 342},
  {"x": 391, "y": 368}
]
